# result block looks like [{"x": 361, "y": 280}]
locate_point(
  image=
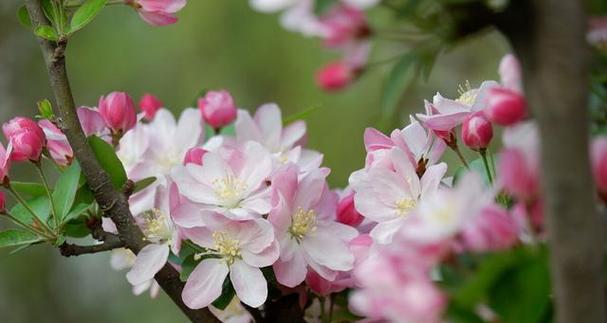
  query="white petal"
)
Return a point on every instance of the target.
[
  {"x": 329, "y": 251},
  {"x": 149, "y": 262},
  {"x": 250, "y": 285},
  {"x": 291, "y": 272},
  {"x": 205, "y": 283}
]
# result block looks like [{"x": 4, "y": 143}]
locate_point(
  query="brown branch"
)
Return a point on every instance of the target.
[
  {"x": 113, "y": 202},
  {"x": 69, "y": 250},
  {"x": 549, "y": 38}
]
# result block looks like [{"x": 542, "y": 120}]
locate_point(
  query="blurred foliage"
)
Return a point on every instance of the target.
[{"x": 216, "y": 44}]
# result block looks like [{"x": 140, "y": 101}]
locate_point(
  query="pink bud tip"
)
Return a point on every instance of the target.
[
  {"x": 118, "y": 111},
  {"x": 217, "y": 108},
  {"x": 335, "y": 76},
  {"x": 505, "y": 107},
  {"x": 2, "y": 201},
  {"x": 194, "y": 156},
  {"x": 26, "y": 137},
  {"x": 599, "y": 164},
  {"x": 346, "y": 212},
  {"x": 477, "y": 131},
  {"x": 149, "y": 104}
]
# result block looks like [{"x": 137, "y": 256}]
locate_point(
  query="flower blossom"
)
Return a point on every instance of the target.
[
  {"x": 26, "y": 138},
  {"x": 157, "y": 12},
  {"x": 57, "y": 143}
]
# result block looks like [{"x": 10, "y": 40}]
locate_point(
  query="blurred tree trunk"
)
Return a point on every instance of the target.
[{"x": 549, "y": 36}]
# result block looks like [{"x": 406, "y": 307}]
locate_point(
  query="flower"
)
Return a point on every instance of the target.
[
  {"x": 158, "y": 228},
  {"x": 5, "y": 162},
  {"x": 597, "y": 33},
  {"x": 157, "y": 12},
  {"x": 2, "y": 202},
  {"x": 344, "y": 25},
  {"x": 233, "y": 186},
  {"x": 477, "y": 131},
  {"x": 150, "y": 104},
  {"x": 388, "y": 196},
  {"x": 237, "y": 248},
  {"x": 335, "y": 76},
  {"x": 304, "y": 221},
  {"x": 57, "y": 143},
  {"x": 92, "y": 123},
  {"x": 194, "y": 156},
  {"x": 346, "y": 212},
  {"x": 26, "y": 138},
  {"x": 217, "y": 108},
  {"x": 506, "y": 104},
  {"x": 599, "y": 164},
  {"x": 118, "y": 111},
  {"x": 493, "y": 229}
]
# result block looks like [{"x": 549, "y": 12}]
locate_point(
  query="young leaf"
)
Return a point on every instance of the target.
[
  {"x": 65, "y": 190},
  {"x": 39, "y": 205},
  {"x": 46, "y": 109},
  {"x": 109, "y": 161},
  {"x": 85, "y": 14},
  {"x": 24, "y": 17},
  {"x": 76, "y": 228},
  {"x": 400, "y": 77},
  {"x": 143, "y": 184},
  {"x": 76, "y": 211},
  {"x": 12, "y": 238},
  {"x": 28, "y": 189},
  {"x": 46, "y": 32},
  {"x": 227, "y": 294}
]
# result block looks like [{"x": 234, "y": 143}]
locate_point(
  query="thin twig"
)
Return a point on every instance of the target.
[{"x": 69, "y": 250}]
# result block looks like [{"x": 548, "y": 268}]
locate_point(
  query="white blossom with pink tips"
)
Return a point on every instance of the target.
[
  {"x": 157, "y": 12},
  {"x": 304, "y": 220},
  {"x": 388, "y": 196},
  {"x": 235, "y": 248},
  {"x": 229, "y": 182}
]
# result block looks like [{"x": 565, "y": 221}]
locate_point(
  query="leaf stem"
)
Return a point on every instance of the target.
[
  {"x": 48, "y": 193},
  {"x": 461, "y": 157},
  {"x": 483, "y": 153},
  {"x": 22, "y": 201},
  {"x": 27, "y": 227}
]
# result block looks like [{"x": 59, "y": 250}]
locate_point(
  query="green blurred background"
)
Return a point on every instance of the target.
[{"x": 216, "y": 44}]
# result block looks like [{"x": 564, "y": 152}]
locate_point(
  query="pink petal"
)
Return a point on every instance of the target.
[
  {"x": 149, "y": 262},
  {"x": 250, "y": 285},
  {"x": 292, "y": 272},
  {"x": 157, "y": 18},
  {"x": 205, "y": 283}
]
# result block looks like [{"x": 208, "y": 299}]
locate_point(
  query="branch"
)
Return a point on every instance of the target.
[
  {"x": 69, "y": 250},
  {"x": 549, "y": 37},
  {"x": 112, "y": 201}
]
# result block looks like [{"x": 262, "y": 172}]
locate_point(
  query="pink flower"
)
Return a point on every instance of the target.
[
  {"x": 597, "y": 33},
  {"x": 2, "y": 201},
  {"x": 5, "y": 162},
  {"x": 194, "y": 156},
  {"x": 92, "y": 123},
  {"x": 57, "y": 143},
  {"x": 477, "y": 131},
  {"x": 599, "y": 164},
  {"x": 344, "y": 24},
  {"x": 493, "y": 229},
  {"x": 388, "y": 196},
  {"x": 335, "y": 76},
  {"x": 240, "y": 249},
  {"x": 217, "y": 108},
  {"x": 149, "y": 104},
  {"x": 158, "y": 12},
  {"x": 506, "y": 104},
  {"x": 118, "y": 111},
  {"x": 346, "y": 212},
  {"x": 233, "y": 185},
  {"x": 26, "y": 138},
  {"x": 303, "y": 218}
]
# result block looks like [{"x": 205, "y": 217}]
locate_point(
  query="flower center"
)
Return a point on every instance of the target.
[
  {"x": 304, "y": 221},
  {"x": 156, "y": 226},
  {"x": 226, "y": 247},
  {"x": 167, "y": 161},
  {"x": 229, "y": 190},
  {"x": 467, "y": 95},
  {"x": 404, "y": 206}
]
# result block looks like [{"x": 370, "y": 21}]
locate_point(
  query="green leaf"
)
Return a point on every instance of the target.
[
  {"x": 85, "y": 14},
  {"x": 144, "y": 183},
  {"x": 227, "y": 294},
  {"x": 12, "y": 238},
  {"x": 457, "y": 314},
  {"x": 76, "y": 228},
  {"x": 28, "y": 189},
  {"x": 46, "y": 32},
  {"x": 21, "y": 248},
  {"x": 321, "y": 6},
  {"x": 76, "y": 211},
  {"x": 109, "y": 161},
  {"x": 300, "y": 115},
  {"x": 400, "y": 78},
  {"x": 46, "y": 109},
  {"x": 187, "y": 267},
  {"x": 65, "y": 190},
  {"x": 40, "y": 205},
  {"x": 24, "y": 17},
  {"x": 476, "y": 166}
]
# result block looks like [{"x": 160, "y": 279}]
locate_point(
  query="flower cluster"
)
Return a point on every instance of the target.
[{"x": 342, "y": 26}]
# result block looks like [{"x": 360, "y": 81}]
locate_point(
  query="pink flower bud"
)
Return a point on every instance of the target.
[
  {"x": 599, "y": 165},
  {"x": 2, "y": 201},
  {"x": 517, "y": 175},
  {"x": 26, "y": 137},
  {"x": 194, "y": 156},
  {"x": 335, "y": 76},
  {"x": 150, "y": 104},
  {"x": 118, "y": 111},
  {"x": 505, "y": 107},
  {"x": 346, "y": 212},
  {"x": 57, "y": 143},
  {"x": 5, "y": 162},
  {"x": 157, "y": 12},
  {"x": 343, "y": 25},
  {"x": 493, "y": 229},
  {"x": 477, "y": 131},
  {"x": 217, "y": 108}
]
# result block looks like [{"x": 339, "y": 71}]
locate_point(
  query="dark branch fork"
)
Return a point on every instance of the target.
[{"x": 113, "y": 202}]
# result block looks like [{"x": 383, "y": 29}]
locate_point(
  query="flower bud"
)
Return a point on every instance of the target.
[
  {"x": 157, "y": 12},
  {"x": 335, "y": 76},
  {"x": 149, "y": 104},
  {"x": 217, "y": 108},
  {"x": 347, "y": 213},
  {"x": 344, "y": 24},
  {"x": 2, "y": 202},
  {"x": 505, "y": 107},
  {"x": 57, "y": 143},
  {"x": 194, "y": 156},
  {"x": 493, "y": 229},
  {"x": 5, "y": 155},
  {"x": 118, "y": 111},
  {"x": 599, "y": 165},
  {"x": 26, "y": 137},
  {"x": 477, "y": 131}
]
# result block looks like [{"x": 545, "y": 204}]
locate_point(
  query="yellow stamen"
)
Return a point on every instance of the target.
[
  {"x": 229, "y": 190},
  {"x": 304, "y": 222},
  {"x": 404, "y": 206},
  {"x": 226, "y": 247}
]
